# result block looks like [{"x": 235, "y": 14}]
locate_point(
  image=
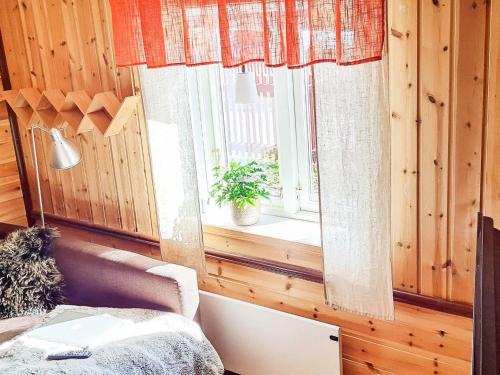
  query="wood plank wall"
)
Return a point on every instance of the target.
[
  {"x": 11, "y": 196},
  {"x": 437, "y": 52},
  {"x": 68, "y": 45},
  {"x": 491, "y": 198},
  {"x": 437, "y": 80}
]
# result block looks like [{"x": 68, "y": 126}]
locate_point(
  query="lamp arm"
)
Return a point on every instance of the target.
[
  {"x": 40, "y": 127},
  {"x": 37, "y": 173}
]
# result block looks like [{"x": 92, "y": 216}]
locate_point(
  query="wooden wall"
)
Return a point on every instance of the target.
[
  {"x": 11, "y": 197},
  {"x": 437, "y": 53},
  {"x": 492, "y": 132},
  {"x": 68, "y": 45},
  {"x": 437, "y": 80},
  {"x": 443, "y": 166}
]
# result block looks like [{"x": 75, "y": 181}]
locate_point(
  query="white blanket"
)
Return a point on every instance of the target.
[{"x": 152, "y": 343}]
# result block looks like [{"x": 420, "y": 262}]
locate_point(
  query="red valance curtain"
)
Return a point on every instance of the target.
[{"x": 232, "y": 32}]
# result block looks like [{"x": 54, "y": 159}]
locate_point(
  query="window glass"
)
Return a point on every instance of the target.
[{"x": 277, "y": 131}]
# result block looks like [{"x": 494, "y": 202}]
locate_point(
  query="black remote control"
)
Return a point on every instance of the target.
[{"x": 70, "y": 354}]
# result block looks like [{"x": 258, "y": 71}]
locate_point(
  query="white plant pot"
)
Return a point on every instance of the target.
[{"x": 248, "y": 215}]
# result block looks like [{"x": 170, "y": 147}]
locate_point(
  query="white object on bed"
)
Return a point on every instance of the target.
[{"x": 83, "y": 332}]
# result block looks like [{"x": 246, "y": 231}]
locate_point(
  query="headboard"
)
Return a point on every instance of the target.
[{"x": 486, "y": 341}]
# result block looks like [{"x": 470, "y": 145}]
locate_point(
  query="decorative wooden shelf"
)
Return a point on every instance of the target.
[
  {"x": 19, "y": 103},
  {"x": 74, "y": 108},
  {"x": 124, "y": 113},
  {"x": 77, "y": 109},
  {"x": 102, "y": 109},
  {"x": 48, "y": 107}
]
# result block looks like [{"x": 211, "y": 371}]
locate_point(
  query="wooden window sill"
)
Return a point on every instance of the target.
[
  {"x": 300, "y": 230},
  {"x": 274, "y": 240}
]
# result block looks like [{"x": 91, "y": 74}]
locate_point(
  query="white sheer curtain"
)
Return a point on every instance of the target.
[
  {"x": 168, "y": 116},
  {"x": 352, "y": 119},
  {"x": 353, "y": 148}
]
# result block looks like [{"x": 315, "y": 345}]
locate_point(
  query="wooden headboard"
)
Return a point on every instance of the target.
[{"x": 486, "y": 351}]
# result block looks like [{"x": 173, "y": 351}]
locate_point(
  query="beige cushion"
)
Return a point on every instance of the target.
[{"x": 102, "y": 276}]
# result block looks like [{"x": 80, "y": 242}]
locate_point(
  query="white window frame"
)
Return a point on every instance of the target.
[
  {"x": 301, "y": 105},
  {"x": 292, "y": 138}
]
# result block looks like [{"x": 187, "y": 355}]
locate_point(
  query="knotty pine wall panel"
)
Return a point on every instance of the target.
[
  {"x": 403, "y": 89},
  {"x": 68, "y": 45},
  {"x": 437, "y": 51},
  {"x": 437, "y": 79},
  {"x": 491, "y": 198},
  {"x": 465, "y": 140},
  {"x": 11, "y": 197}
]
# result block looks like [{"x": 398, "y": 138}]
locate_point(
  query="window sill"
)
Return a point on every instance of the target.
[{"x": 285, "y": 241}]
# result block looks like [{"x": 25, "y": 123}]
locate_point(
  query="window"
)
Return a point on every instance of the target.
[{"x": 279, "y": 129}]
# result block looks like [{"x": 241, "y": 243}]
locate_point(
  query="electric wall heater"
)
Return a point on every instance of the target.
[{"x": 254, "y": 340}]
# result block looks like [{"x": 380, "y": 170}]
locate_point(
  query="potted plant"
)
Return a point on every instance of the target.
[{"x": 242, "y": 186}]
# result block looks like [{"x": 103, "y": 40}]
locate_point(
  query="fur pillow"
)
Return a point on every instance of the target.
[{"x": 30, "y": 282}]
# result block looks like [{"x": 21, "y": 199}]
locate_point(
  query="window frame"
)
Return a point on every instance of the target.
[{"x": 292, "y": 138}]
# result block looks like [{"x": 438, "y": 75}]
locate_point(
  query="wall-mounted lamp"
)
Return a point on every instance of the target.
[
  {"x": 245, "y": 87},
  {"x": 63, "y": 155}
]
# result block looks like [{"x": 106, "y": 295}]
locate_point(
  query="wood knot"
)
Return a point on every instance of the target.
[
  {"x": 370, "y": 365},
  {"x": 396, "y": 33},
  {"x": 446, "y": 264}
]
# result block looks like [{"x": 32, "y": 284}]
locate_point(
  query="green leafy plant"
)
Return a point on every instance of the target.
[{"x": 241, "y": 184}]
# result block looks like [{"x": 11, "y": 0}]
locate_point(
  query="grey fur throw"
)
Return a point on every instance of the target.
[
  {"x": 30, "y": 282},
  {"x": 156, "y": 343}
]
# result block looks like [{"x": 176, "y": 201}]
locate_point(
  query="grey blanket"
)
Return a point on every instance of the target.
[{"x": 168, "y": 344}]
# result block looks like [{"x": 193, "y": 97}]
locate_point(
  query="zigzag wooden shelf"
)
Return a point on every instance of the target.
[{"x": 77, "y": 109}]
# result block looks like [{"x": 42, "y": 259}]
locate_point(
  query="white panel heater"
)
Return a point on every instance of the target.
[{"x": 254, "y": 340}]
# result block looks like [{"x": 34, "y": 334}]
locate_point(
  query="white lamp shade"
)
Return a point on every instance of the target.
[
  {"x": 63, "y": 154},
  {"x": 245, "y": 88}
]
